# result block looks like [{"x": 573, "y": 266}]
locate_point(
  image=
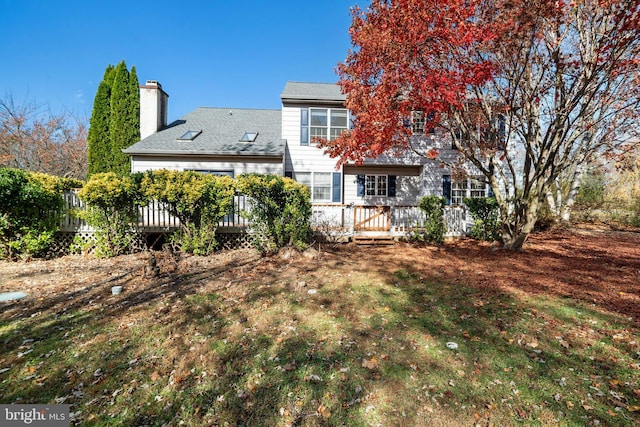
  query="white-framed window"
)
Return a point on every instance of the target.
[
  {"x": 458, "y": 191},
  {"x": 327, "y": 123},
  {"x": 472, "y": 187},
  {"x": 418, "y": 122},
  {"x": 376, "y": 185},
  {"x": 320, "y": 184}
]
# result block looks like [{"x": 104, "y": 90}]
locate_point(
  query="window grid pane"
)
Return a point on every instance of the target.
[
  {"x": 304, "y": 178},
  {"x": 318, "y": 133},
  {"x": 370, "y": 185},
  {"x": 382, "y": 185},
  {"x": 478, "y": 188},
  {"x": 336, "y": 132},
  {"x": 458, "y": 192},
  {"x": 321, "y": 194}
]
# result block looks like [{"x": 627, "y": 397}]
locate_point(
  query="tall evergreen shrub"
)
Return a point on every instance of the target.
[{"x": 115, "y": 120}]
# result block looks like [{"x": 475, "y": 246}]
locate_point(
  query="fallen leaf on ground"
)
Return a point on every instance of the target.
[{"x": 370, "y": 363}]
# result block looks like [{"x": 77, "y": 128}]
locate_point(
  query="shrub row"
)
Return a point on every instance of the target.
[
  {"x": 31, "y": 210},
  {"x": 280, "y": 208}
]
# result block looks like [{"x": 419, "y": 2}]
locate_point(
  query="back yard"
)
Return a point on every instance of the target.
[{"x": 463, "y": 334}]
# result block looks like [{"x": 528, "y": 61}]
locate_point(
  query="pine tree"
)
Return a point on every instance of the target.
[{"x": 98, "y": 139}]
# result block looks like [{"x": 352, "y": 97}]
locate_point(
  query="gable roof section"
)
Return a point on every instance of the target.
[
  {"x": 298, "y": 92},
  {"x": 222, "y": 129}
]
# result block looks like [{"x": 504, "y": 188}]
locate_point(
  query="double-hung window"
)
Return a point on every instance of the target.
[
  {"x": 322, "y": 123},
  {"x": 455, "y": 191},
  {"x": 419, "y": 120},
  {"x": 376, "y": 185},
  {"x": 320, "y": 184}
]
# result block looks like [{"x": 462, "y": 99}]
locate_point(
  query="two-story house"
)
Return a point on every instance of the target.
[{"x": 378, "y": 196}]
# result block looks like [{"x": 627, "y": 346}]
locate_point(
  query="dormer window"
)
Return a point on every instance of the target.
[
  {"x": 249, "y": 137},
  {"x": 190, "y": 135}
]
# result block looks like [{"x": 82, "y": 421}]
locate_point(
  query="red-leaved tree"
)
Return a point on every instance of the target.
[{"x": 527, "y": 91}]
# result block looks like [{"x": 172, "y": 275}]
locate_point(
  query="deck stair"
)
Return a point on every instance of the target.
[{"x": 373, "y": 239}]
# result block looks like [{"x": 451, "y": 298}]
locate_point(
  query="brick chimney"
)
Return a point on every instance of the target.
[{"x": 153, "y": 108}]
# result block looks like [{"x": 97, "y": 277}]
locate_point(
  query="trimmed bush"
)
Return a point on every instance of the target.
[
  {"x": 113, "y": 209},
  {"x": 199, "y": 201},
  {"x": 486, "y": 215},
  {"x": 280, "y": 212}
]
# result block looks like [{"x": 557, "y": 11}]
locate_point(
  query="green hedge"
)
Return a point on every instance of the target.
[
  {"x": 198, "y": 201},
  {"x": 113, "y": 207},
  {"x": 280, "y": 211},
  {"x": 30, "y": 211}
]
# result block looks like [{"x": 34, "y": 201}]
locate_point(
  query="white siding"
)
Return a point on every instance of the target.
[
  {"x": 237, "y": 165},
  {"x": 302, "y": 158},
  {"x": 409, "y": 189}
]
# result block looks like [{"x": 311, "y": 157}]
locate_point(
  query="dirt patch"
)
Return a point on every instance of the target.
[{"x": 594, "y": 266}]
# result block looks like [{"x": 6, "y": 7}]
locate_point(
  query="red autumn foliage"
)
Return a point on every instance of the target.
[{"x": 529, "y": 91}]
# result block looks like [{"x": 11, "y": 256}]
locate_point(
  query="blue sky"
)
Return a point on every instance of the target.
[{"x": 217, "y": 53}]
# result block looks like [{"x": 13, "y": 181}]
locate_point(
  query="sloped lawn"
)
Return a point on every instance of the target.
[{"x": 464, "y": 334}]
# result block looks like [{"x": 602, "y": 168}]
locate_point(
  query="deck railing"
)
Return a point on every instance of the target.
[{"x": 325, "y": 218}]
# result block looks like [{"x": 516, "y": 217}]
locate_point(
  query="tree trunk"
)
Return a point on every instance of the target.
[
  {"x": 517, "y": 227},
  {"x": 576, "y": 182}
]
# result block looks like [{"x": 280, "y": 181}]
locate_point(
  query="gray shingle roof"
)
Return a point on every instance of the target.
[
  {"x": 222, "y": 129},
  {"x": 298, "y": 91}
]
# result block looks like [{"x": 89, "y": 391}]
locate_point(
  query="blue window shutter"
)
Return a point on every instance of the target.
[
  {"x": 446, "y": 188},
  {"x": 304, "y": 126},
  {"x": 336, "y": 191},
  {"x": 288, "y": 174},
  {"x": 392, "y": 186},
  {"x": 360, "y": 180},
  {"x": 490, "y": 191}
]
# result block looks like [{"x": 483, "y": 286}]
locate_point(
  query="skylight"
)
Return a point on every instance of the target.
[
  {"x": 249, "y": 137},
  {"x": 190, "y": 135}
]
